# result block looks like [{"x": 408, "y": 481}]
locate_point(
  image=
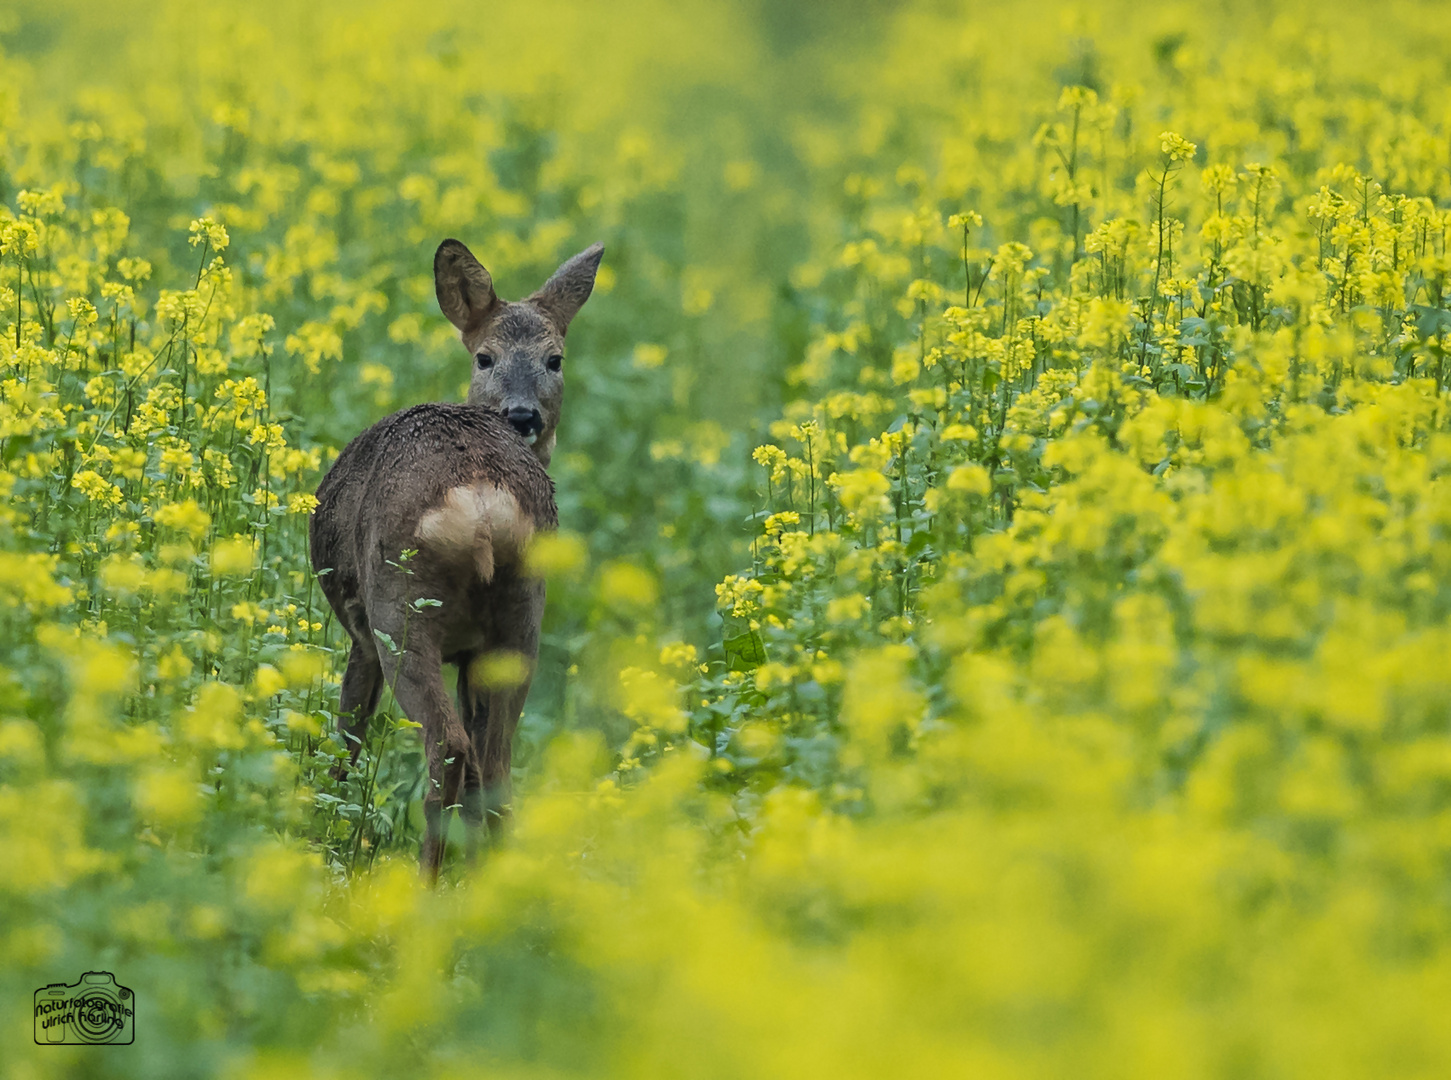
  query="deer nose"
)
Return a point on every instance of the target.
[{"x": 525, "y": 421}]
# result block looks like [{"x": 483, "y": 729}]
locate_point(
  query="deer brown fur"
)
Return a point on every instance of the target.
[{"x": 463, "y": 487}]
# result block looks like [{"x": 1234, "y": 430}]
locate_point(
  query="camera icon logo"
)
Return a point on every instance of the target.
[{"x": 93, "y": 1009}]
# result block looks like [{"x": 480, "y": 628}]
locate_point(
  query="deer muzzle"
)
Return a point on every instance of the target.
[{"x": 526, "y": 421}]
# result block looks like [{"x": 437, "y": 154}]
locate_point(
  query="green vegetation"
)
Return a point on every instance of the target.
[{"x": 1002, "y": 614}]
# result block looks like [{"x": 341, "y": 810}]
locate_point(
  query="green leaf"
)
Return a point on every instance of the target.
[
  {"x": 17, "y": 445},
  {"x": 744, "y": 651}
]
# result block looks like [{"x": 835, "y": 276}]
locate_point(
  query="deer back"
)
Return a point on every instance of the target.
[{"x": 454, "y": 483}]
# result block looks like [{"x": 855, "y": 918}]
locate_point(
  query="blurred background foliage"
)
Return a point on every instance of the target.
[{"x": 1001, "y": 620}]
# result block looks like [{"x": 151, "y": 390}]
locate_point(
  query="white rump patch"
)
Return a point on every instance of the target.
[{"x": 478, "y": 522}]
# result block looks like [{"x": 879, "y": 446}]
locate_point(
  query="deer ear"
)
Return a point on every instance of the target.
[
  {"x": 565, "y": 293},
  {"x": 465, "y": 289}
]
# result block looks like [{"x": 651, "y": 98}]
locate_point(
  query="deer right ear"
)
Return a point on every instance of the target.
[
  {"x": 465, "y": 289},
  {"x": 566, "y": 291}
]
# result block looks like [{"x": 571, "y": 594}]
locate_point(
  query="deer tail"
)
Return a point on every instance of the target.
[{"x": 480, "y": 524}]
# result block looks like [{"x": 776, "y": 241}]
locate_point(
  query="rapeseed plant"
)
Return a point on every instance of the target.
[{"x": 1073, "y": 700}]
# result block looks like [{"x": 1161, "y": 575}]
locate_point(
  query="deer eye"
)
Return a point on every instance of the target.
[
  {"x": 485, "y": 361},
  {"x": 555, "y": 362}
]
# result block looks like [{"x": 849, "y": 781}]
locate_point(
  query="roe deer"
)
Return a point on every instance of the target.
[{"x": 464, "y": 487}]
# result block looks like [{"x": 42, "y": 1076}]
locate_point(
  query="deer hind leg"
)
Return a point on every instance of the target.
[
  {"x": 493, "y": 717},
  {"x": 419, "y": 690},
  {"x": 473, "y": 710},
  {"x": 358, "y": 700},
  {"x": 517, "y": 619},
  {"x": 490, "y": 718},
  {"x": 494, "y": 747}
]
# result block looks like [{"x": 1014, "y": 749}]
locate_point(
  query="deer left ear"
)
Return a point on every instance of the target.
[
  {"x": 465, "y": 289},
  {"x": 565, "y": 293}
]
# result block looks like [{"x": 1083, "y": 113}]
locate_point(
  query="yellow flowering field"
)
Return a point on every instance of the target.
[{"x": 1001, "y": 622}]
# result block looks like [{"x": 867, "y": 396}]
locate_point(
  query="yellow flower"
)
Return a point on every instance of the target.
[
  {"x": 186, "y": 516},
  {"x": 82, "y": 313},
  {"x": 905, "y": 365},
  {"x": 268, "y": 681},
  {"x": 206, "y": 231},
  {"x": 649, "y": 699},
  {"x": 1175, "y": 147},
  {"x": 167, "y": 796},
  {"x": 862, "y": 491},
  {"x": 176, "y": 459},
  {"x": 623, "y": 585},
  {"x": 232, "y": 557},
  {"x": 775, "y": 524},
  {"x": 969, "y": 479},
  {"x": 500, "y": 670},
  {"x": 29, "y": 580},
  {"x": 679, "y": 655},
  {"x": 315, "y": 342},
  {"x": 647, "y": 357},
  {"x": 773, "y": 458},
  {"x": 555, "y": 555},
  {"x": 739, "y": 595},
  {"x": 269, "y": 435},
  {"x": 959, "y": 433},
  {"x": 302, "y": 667},
  {"x": 128, "y": 463},
  {"x": 97, "y": 488}
]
